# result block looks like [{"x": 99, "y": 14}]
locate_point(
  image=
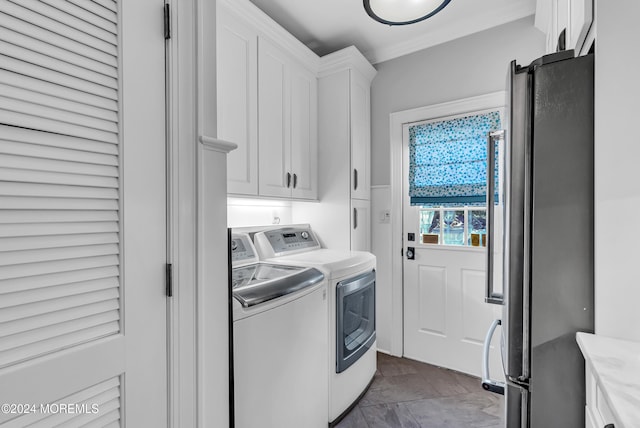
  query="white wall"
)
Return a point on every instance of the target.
[
  {"x": 243, "y": 212},
  {"x": 617, "y": 155},
  {"x": 463, "y": 68}
]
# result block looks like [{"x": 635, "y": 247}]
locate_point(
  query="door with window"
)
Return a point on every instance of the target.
[
  {"x": 82, "y": 214},
  {"x": 444, "y": 236}
]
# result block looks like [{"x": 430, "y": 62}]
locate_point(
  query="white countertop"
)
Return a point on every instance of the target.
[{"x": 616, "y": 366}]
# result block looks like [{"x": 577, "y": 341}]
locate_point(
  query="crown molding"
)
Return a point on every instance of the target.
[
  {"x": 217, "y": 145},
  {"x": 490, "y": 19},
  {"x": 266, "y": 26},
  {"x": 344, "y": 59}
]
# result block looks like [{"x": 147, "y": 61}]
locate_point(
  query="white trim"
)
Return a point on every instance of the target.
[
  {"x": 216, "y": 144},
  {"x": 346, "y": 59},
  {"x": 396, "y": 124},
  {"x": 512, "y": 11}
]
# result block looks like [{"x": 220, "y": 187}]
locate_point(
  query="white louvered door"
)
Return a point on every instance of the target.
[{"x": 82, "y": 213}]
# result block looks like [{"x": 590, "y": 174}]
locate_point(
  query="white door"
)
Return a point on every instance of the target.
[
  {"x": 445, "y": 316},
  {"x": 82, "y": 214},
  {"x": 274, "y": 132}
]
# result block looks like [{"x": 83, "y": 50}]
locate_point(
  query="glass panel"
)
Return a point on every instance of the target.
[
  {"x": 453, "y": 228},
  {"x": 477, "y": 228},
  {"x": 357, "y": 319},
  {"x": 430, "y": 226}
]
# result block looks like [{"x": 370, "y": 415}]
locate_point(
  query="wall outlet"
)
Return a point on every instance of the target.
[{"x": 385, "y": 216}]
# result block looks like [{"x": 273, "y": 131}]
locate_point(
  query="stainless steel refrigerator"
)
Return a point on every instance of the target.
[{"x": 543, "y": 274}]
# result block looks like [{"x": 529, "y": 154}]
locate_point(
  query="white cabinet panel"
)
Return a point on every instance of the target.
[
  {"x": 304, "y": 133},
  {"x": 274, "y": 123},
  {"x": 237, "y": 51},
  {"x": 360, "y": 136},
  {"x": 360, "y": 225}
]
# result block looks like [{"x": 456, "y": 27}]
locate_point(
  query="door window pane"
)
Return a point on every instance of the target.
[{"x": 453, "y": 227}]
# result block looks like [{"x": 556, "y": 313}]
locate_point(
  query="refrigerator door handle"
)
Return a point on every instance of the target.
[
  {"x": 491, "y": 296},
  {"x": 488, "y": 383}
]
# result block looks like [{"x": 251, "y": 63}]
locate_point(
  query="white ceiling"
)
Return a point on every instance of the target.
[{"x": 328, "y": 25}]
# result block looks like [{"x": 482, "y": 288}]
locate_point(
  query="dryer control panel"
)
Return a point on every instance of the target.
[
  {"x": 242, "y": 250},
  {"x": 286, "y": 240}
]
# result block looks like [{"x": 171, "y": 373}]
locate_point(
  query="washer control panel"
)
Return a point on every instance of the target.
[
  {"x": 242, "y": 249},
  {"x": 287, "y": 240}
]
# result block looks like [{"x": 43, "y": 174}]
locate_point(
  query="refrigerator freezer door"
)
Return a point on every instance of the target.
[
  {"x": 517, "y": 407},
  {"x": 561, "y": 274},
  {"x": 517, "y": 165}
]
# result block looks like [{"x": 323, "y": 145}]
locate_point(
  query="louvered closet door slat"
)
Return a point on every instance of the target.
[
  {"x": 11, "y": 133},
  {"x": 20, "y": 203},
  {"x": 52, "y": 280},
  {"x": 108, "y": 402},
  {"x": 96, "y": 9},
  {"x": 39, "y": 112},
  {"x": 39, "y": 322},
  {"x": 44, "y": 9},
  {"x": 83, "y": 14},
  {"x": 31, "y": 98},
  {"x": 45, "y": 268},
  {"x": 57, "y": 241},
  {"x": 56, "y": 216},
  {"x": 62, "y": 166},
  {"x": 55, "y": 191},
  {"x": 30, "y": 176},
  {"x": 50, "y": 44},
  {"x": 27, "y": 68},
  {"x": 58, "y": 253},
  {"x": 57, "y": 342},
  {"x": 40, "y": 229},
  {"x": 108, "y": 4},
  {"x": 18, "y": 11},
  {"x": 63, "y": 93},
  {"x": 57, "y": 292},
  {"x": 45, "y": 152}
]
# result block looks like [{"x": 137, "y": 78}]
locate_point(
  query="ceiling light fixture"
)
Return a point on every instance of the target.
[{"x": 403, "y": 12}]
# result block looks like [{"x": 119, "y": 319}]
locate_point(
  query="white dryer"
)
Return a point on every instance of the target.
[
  {"x": 279, "y": 342},
  {"x": 351, "y": 310}
]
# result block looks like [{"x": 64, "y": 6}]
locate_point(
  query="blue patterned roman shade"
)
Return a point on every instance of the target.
[{"x": 448, "y": 161}]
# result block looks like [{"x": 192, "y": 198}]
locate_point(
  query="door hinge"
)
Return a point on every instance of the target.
[
  {"x": 167, "y": 21},
  {"x": 169, "y": 279},
  {"x": 401, "y": 252}
]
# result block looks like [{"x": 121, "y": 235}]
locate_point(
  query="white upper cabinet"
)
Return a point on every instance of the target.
[
  {"x": 574, "y": 17},
  {"x": 237, "y": 80},
  {"x": 287, "y": 111},
  {"x": 360, "y": 111},
  {"x": 267, "y": 104}
]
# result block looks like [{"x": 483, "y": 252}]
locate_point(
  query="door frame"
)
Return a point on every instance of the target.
[{"x": 397, "y": 121}]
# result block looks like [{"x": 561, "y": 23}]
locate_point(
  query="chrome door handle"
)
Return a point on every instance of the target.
[
  {"x": 490, "y": 295},
  {"x": 489, "y": 384}
]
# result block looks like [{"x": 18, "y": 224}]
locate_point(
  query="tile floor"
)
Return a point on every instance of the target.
[{"x": 409, "y": 394}]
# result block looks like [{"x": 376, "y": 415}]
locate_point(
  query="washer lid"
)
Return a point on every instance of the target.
[
  {"x": 335, "y": 263},
  {"x": 261, "y": 282}
]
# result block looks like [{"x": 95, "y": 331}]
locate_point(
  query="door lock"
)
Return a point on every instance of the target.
[{"x": 411, "y": 253}]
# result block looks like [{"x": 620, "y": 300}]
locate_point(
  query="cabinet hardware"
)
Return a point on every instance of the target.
[
  {"x": 168, "y": 279},
  {"x": 355, "y": 179},
  {"x": 295, "y": 180},
  {"x": 355, "y": 218},
  {"x": 288, "y": 179}
]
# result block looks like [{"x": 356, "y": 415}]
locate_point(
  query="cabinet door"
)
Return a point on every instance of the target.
[
  {"x": 304, "y": 133},
  {"x": 360, "y": 225},
  {"x": 360, "y": 136},
  {"x": 274, "y": 132},
  {"x": 237, "y": 81}
]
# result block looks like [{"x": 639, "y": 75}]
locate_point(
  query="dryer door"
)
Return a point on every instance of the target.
[{"x": 355, "y": 318}]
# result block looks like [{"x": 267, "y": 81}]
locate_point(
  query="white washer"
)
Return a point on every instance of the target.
[
  {"x": 351, "y": 310},
  {"x": 279, "y": 342}
]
